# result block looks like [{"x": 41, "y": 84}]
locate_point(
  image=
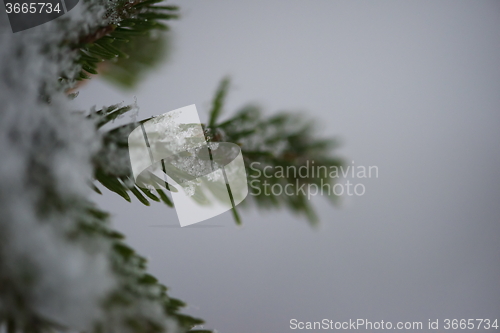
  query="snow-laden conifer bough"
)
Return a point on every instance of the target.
[{"x": 62, "y": 267}]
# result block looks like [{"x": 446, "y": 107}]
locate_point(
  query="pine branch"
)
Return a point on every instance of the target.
[
  {"x": 136, "y": 284},
  {"x": 52, "y": 237},
  {"x": 285, "y": 140},
  {"x": 128, "y": 22},
  {"x": 218, "y": 102}
]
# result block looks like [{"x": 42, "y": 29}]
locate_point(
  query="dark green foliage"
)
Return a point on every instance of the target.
[
  {"x": 285, "y": 140},
  {"x": 144, "y": 53},
  {"x": 122, "y": 48},
  {"x": 126, "y": 44},
  {"x": 119, "y": 180},
  {"x": 121, "y": 53},
  {"x": 112, "y": 183},
  {"x": 135, "y": 283},
  {"x": 218, "y": 103}
]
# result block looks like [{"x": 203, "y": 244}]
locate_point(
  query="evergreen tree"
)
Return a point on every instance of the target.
[{"x": 62, "y": 266}]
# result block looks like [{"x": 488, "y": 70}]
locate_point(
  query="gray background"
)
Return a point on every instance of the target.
[{"x": 412, "y": 87}]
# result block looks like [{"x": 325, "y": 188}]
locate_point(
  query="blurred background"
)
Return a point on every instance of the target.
[{"x": 411, "y": 87}]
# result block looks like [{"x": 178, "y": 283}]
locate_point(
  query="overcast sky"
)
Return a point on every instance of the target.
[{"x": 412, "y": 87}]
